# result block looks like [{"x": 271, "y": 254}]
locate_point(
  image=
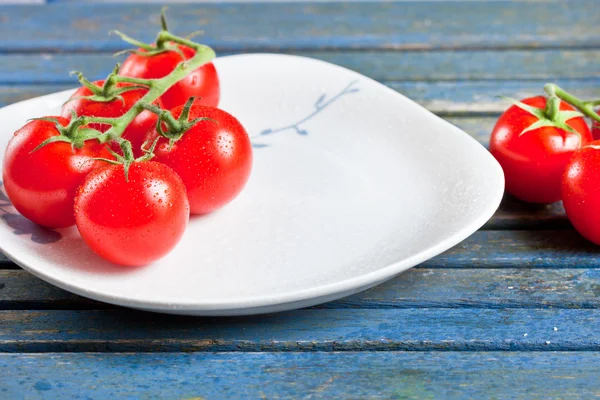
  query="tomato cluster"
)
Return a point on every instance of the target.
[
  {"x": 549, "y": 153},
  {"x": 73, "y": 169}
]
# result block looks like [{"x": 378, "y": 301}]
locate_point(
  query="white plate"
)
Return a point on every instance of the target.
[{"x": 354, "y": 184}]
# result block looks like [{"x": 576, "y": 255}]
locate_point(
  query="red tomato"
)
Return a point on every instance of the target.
[
  {"x": 202, "y": 83},
  {"x": 581, "y": 191},
  {"x": 42, "y": 184},
  {"x": 596, "y": 127},
  {"x": 213, "y": 158},
  {"x": 132, "y": 222},
  {"x": 135, "y": 131},
  {"x": 534, "y": 162}
]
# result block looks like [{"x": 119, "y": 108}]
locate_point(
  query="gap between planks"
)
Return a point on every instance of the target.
[
  {"x": 432, "y": 66},
  {"x": 355, "y": 50}
]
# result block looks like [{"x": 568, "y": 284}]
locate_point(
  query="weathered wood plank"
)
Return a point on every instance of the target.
[
  {"x": 481, "y": 98},
  {"x": 467, "y": 65},
  {"x": 405, "y": 25},
  {"x": 19, "y": 289},
  {"x": 518, "y": 215},
  {"x": 399, "y": 375},
  {"x": 303, "y": 330},
  {"x": 416, "y": 288},
  {"x": 380, "y": 65},
  {"x": 483, "y": 288},
  {"x": 480, "y": 127},
  {"x": 520, "y": 249}
]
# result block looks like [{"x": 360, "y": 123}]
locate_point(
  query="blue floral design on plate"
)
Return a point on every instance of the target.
[{"x": 320, "y": 104}]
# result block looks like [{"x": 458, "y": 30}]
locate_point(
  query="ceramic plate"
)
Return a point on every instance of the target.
[{"x": 352, "y": 184}]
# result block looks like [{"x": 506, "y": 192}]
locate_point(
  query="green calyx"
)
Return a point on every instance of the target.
[
  {"x": 551, "y": 116},
  {"x": 75, "y": 133},
  {"x": 176, "y": 128},
  {"x": 127, "y": 158},
  {"x": 162, "y": 43},
  {"x": 109, "y": 91}
]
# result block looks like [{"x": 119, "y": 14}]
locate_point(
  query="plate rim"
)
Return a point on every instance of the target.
[{"x": 310, "y": 296}]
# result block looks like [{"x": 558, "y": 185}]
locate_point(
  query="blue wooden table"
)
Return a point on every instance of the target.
[{"x": 514, "y": 311}]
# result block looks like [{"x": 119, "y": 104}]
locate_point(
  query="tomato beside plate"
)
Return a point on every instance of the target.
[{"x": 534, "y": 161}]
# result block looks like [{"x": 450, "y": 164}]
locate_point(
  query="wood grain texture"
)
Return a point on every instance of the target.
[
  {"x": 518, "y": 215},
  {"x": 417, "y": 288},
  {"x": 389, "y": 66},
  {"x": 405, "y": 25},
  {"x": 481, "y": 98},
  {"x": 303, "y": 330},
  {"x": 520, "y": 249},
  {"x": 398, "y": 375},
  {"x": 483, "y": 288}
]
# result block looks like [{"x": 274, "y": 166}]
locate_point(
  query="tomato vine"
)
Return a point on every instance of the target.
[{"x": 77, "y": 132}]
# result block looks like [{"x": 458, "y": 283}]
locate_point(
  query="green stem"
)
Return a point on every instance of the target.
[
  {"x": 156, "y": 87},
  {"x": 163, "y": 19},
  {"x": 131, "y": 40},
  {"x": 552, "y": 107},
  {"x": 110, "y": 81},
  {"x": 166, "y": 36},
  {"x": 586, "y": 107},
  {"x": 87, "y": 83},
  {"x": 136, "y": 81},
  {"x": 86, "y": 120},
  {"x": 164, "y": 115}
]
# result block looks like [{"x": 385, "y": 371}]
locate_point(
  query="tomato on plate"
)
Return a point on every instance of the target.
[
  {"x": 534, "y": 153},
  {"x": 135, "y": 131},
  {"x": 42, "y": 184},
  {"x": 202, "y": 82},
  {"x": 213, "y": 158},
  {"x": 135, "y": 220}
]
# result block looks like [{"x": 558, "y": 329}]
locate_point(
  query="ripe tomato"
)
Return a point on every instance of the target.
[
  {"x": 581, "y": 191},
  {"x": 42, "y": 184},
  {"x": 202, "y": 83},
  {"x": 596, "y": 127},
  {"x": 213, "y": 158},
  {"x": 136, "y": 221},
  {"x": 533, "y": 162},
  {"x": 135, "y": 131}
]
